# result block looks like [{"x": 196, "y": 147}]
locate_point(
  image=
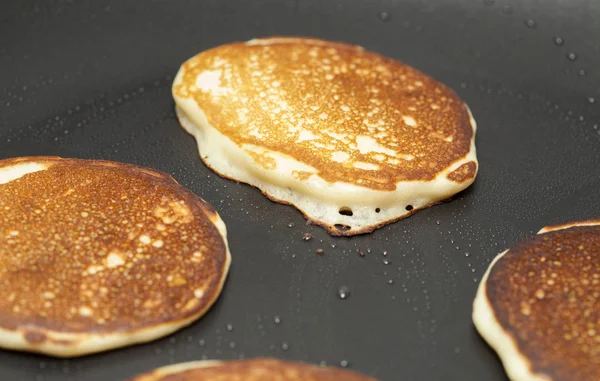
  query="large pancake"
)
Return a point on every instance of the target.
[
  {"x": 538, "y": 305},
  {"x": 260, "y": 369},
  {"x": 96, "y": 255},
  {"x": 353, "y": 139}
]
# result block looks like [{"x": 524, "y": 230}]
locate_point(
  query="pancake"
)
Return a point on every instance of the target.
[
  {"x": 260, "y": 369},
  {"x": 96, "y": 255},
  {"x": 351, "y": 138},
  {"x": 538, "y": 305}
]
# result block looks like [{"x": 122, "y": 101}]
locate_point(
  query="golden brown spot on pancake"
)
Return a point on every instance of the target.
[
  {"x": 264, "y": 160},
  {"x": 296, "y": 88},
  {"x": 34, "y": 337},
  {"x": 259, "y": 370},
  {"x": 545, "y": 293},
  {"x": 69, "y": 272},
  {"x": 463, "y": 173},
  {"x": 301, "y": 175},
  {"x": 176, "y": 280}
]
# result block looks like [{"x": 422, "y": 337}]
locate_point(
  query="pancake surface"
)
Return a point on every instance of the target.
[
  {"x": 96, "y": 255},
  {"x": 538, "y": 305},
  {"x": 349, "y": 137},
  {"x": 259, "y": 369}
]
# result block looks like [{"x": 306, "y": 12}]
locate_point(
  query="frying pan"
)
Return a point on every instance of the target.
[{"x": 92, "y": 80}]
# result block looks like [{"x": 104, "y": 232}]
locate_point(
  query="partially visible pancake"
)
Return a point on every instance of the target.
[
  {"x": 351, "y": 138},
  {"x": 538, "y": 305},
  {"x": 96, "y": 255},
  {"x": 260, "y": 369}
]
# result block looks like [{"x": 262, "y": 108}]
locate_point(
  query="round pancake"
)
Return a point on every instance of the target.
[
  {"x": 96, "y": 255},
  {"x": 351, "y": 138},
  {"x": 538, "y": 305},
  {"x": 260, "y": 369}
]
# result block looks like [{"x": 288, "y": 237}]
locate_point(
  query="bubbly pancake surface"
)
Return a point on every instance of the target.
[
  {"x": 96, "y": 255},
  {"x": 260, "y": 369},
  {"x": 329, "y": 121},
  {"x": 538, "y": 305}
]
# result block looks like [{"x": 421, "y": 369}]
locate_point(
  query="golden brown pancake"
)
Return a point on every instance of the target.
[
  {"x": 260, "y": 369},
  {"x": 538, "y": 305},
  {"x": 96, "y": 255},
  {"x": 353, "y": 139}
]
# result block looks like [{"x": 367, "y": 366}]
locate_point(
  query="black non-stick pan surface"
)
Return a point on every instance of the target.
[{"x": 92, "y": 79}]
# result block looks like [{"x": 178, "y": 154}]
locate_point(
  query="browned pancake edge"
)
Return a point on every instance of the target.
[{"x": 259, "y": 369}]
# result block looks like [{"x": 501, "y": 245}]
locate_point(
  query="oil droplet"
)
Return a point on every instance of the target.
[
  {"x": 277, "y": 319},
  {"x": 467, "y": 254},
  {"x": 591, "y": 100},
  {"x": 582, "y": 72},
  {"x": 391, "y": 281},
  {"x": 232, "y": 345},
  {"x": 572, "y": 56},
  {"x": 344, "y": 292},
  {"x": 558, "y": 41},
  {"x": 285, "y": 346},
  {"x": 344, "y": 363},
  {"x": 530, "y": 23},
  {"x": 229, "y": 327},
  {"x": 384, "y": 16}
]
